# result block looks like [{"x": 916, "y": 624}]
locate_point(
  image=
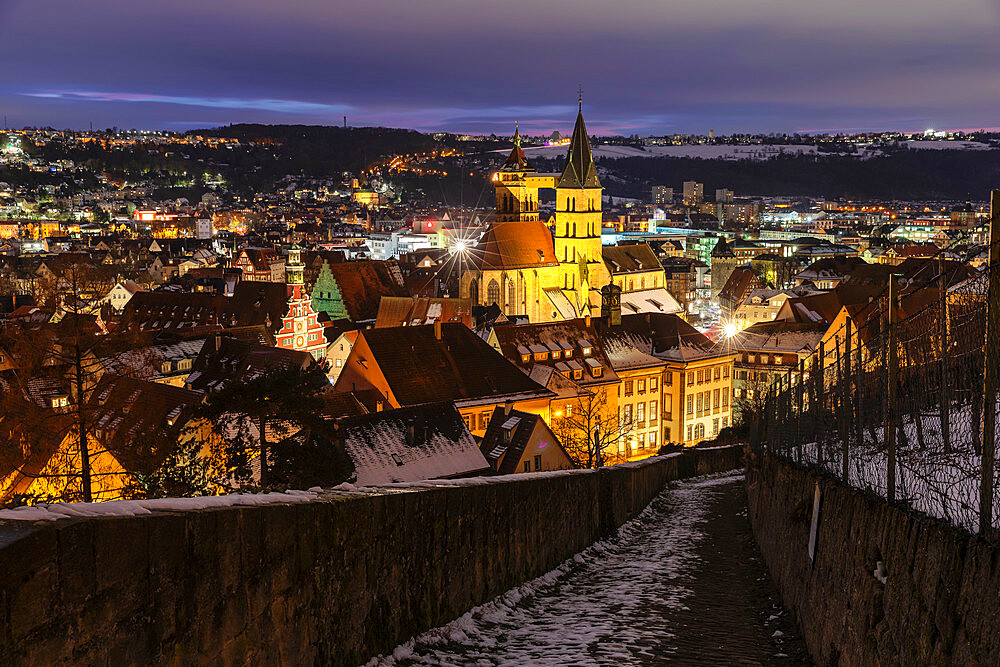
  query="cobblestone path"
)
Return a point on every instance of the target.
[{"x": 682, "y": 583}]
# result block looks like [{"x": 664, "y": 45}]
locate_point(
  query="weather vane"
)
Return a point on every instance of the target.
[{"x": 579, "y": 95}]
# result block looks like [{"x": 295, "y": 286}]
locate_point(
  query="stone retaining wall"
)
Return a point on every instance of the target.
[
  {"x": 940, "y": 600},
  {"x": 331, "y": 581}
]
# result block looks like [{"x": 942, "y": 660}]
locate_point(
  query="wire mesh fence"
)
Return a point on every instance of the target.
[{"x": 900, "y": 398}]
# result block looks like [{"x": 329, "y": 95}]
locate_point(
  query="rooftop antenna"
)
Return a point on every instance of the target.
[{"x": 345, "y": 122}]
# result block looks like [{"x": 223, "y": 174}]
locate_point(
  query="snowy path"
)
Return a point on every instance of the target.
[{"x": 681, "y": 583}]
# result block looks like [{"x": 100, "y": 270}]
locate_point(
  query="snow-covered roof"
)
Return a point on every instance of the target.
[{"x": 410, "y": 444}]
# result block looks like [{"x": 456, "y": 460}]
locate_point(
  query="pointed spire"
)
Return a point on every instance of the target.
[
  {"x": 580, "y": 171},
  {"x": 516, "y": 161}
]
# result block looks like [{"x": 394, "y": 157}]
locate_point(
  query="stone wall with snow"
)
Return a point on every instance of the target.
[
  {"x": 331, "y": 578},
  {"x": 887, "y": 586}
]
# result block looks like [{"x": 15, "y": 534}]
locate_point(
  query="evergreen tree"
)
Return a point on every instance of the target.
[{"x": 256, "y": 417}]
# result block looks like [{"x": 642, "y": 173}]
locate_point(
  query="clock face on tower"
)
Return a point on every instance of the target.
[{"x": 300, "y": 326}]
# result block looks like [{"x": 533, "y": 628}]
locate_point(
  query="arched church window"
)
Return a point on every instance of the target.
[
  {"x": 511, "y": 296},
  {"x": 474, "y": 291},
  {"x": 493, "y": 293}
]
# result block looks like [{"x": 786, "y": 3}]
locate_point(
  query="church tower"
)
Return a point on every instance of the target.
[
  {"x": 300, "y": 327},
  {"x": 578, "y": 221},
  {"x": 516, "y": 201}
]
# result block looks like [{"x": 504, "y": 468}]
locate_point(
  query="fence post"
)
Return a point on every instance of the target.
[
  {"x": 817, "y": 401},
  {"x": 892, "y": 373},
  {"x": 945, "y": 398},
  {"x": 990, "y": 370},
  {"x": 861, "y": 385},
  {"x": 847, "y": 403},
  {"x": 800, "y": 393}
]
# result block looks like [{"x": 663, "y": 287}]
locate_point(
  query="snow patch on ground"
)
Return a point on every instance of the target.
[
  {"x": 943, "y": 485},
  {"x": 605, "y": 605}
]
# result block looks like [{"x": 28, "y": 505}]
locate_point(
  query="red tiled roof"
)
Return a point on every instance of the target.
[{"x": 513, "y": 245}]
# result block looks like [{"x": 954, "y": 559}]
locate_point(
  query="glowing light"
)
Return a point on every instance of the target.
[
  {"x": 459, "y": 247},
  {"x": 730, "y": 330}
]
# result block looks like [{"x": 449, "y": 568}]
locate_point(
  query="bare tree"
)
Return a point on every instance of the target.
[
  {"x": 57, "y": 366},
  {"x": 749, "y": 404},
  {"x": 591, "y": 430}
]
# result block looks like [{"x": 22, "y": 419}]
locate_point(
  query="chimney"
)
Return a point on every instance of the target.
[
  {"x": 379, "y": 406},
  {"x": 437, "y": 330},
  {"x": 507, "y": 407},
  {"x": 586, "y": 321}
]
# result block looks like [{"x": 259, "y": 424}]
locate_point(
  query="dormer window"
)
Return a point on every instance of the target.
[
  {"x": 586, "y": 351},
  {"x": 556, "y": 354},
  {"x": 578, "y": 374},
  {"x": 541, "y": 356},
  {"x": 525, "y": 358}
]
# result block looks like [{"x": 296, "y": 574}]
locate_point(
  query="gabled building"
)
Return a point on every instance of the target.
[
  {"x": 134, "y": 426},
  {"x": 409, "y": 445},
  {"x": 300, "y": 326},
  {"x": 693, "y": 377},
  {"x": 741, "y": 282},
  {"x": 223, "y": 359},
  {"x": 567, "y": 357},
  {"x": 326, "y": 297},
  {"x": 439, "y": 362},
  {"x": 768, "y": 352},
  {"x": 520, "y": 442},
  {"x": 260, "y": 265}
]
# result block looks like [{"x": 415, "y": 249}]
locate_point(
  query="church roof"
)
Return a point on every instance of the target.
[
  {"x": 512, "y": 245},
  {"x": 580, "y": 171},
  {"x": 517, "y": 161}
]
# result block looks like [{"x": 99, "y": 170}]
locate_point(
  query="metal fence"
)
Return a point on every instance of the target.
[{"x": 900, "y": 398}]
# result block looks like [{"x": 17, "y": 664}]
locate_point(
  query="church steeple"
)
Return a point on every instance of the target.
[
  {"x": 580, "y": 171},
  {"x": 516, "y": 161}
]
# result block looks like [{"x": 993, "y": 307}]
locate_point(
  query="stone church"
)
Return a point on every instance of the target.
[{"x": 518, "y": 264}]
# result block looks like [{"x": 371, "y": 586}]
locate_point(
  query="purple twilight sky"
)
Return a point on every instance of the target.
[{"x": 646, "y": 66}]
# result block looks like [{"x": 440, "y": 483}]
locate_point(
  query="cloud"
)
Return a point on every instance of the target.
[{"x": 259, "y": 104}]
